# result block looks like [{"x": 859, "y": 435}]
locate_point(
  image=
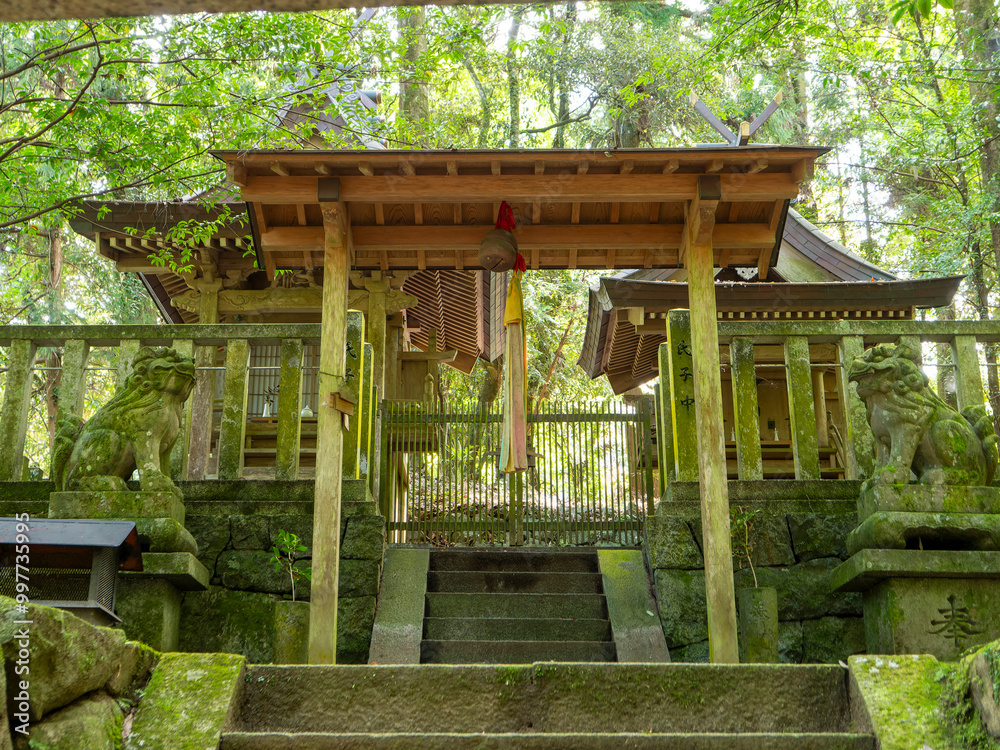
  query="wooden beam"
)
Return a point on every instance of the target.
[
  {"x": 545, "y": 237},
  {"x": 671, "y": 166},
  {"x": 280, "y": 169},
  {"x": 329, "y": 439},
  {"x": 802, "y": 170},
  {"x": 236, "y": 174},
  {"x": 701, "y": 213},
  {"x": 585, "y": 188},
  {"x": 365, "y": 167},
  {"x": 712, "y": 473},
  {"x": 300, "y": 214}
]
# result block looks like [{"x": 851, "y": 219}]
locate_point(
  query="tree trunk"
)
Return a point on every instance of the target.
[
  {"x": 513, "y": 79},
  {"x": 976, "y": 24},
  {"x": 559, "y": 141},
  {"x": 414, "y": 101}
]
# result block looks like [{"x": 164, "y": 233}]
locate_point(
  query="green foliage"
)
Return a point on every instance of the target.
[{"x": 284, "y": 554}]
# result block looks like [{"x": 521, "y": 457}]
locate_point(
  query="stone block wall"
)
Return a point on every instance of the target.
[
  {"x": 797, "y": 539},
  {"x": 235, "y": 525}
]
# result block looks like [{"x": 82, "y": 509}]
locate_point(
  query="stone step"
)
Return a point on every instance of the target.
[
  {"x": 515, "y": 561},
  {"x": 498, "y": 582},
  {"x": 514, "y": 652},
  {"x": 544, "y": 698},
  {"x": 515, "y": 629},
  {"x": 513, "y": 606},
  {"x": 539, "y": 741}
]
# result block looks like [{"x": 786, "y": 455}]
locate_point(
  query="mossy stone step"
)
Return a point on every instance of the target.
[
  {"x": 545, "y": 606},
  {"x": 545, "y": 698},
  {"x": 515, "y": 652},
  {"x": 490, "y": 582},
  {"x": 515, "y": 561},
  {"x": 515, "y": 629},
  {"x": 538, "y": 741}
]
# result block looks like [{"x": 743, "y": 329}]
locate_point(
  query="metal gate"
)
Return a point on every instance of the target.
[{"x": 589, "y": 481}]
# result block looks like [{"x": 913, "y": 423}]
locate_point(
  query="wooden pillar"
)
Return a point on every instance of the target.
[
  {"x": 127, "y": 350},
  {"x": 716, "y": 540},
  {"x": 377, "y": 289},
  {"x": 367, "y": 416},
  {"x": 289, "y": 421},
  {"x": 858, "y": 433},
  {"x": 680, "y": 378},
  {"x": 179, "y": 454},
  {"x": 14, "y": 413},
  {"x": 329, "y": 440},
  {"x": 819, "y": 406},
  {"x": 747, "y": 415},
  {"x": 801, "y": 409},
  {"x": 968, "y": 377},
  {"x": 353, "y": 372},
  {"x": 393, "y": 347},
  {"x": 200, "y": 404},
  {"x": 664, "y": 424},
  {"x": 232, "y": 432},
  {"x": 72, "y": 381}
]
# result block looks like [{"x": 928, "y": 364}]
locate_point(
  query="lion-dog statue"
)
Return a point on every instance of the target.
[
  {"x": 136, "y": 429},
  {"x": 914, "y": 429}
]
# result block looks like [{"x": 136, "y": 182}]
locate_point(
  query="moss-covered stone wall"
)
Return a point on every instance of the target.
[
  {"x": 796, "y": 539},
  {"x": 236, "y": 524}
]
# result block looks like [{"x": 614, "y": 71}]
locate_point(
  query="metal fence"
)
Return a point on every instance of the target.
[{"x": 589, "y": 481}]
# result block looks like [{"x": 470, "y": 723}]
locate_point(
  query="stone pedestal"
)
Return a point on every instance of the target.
[
  {"x": 148, "y": 602},
  {"x": 926, "y": 560}
]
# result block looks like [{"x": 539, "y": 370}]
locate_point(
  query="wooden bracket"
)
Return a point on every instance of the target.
[{"x": 343, "y": 405}]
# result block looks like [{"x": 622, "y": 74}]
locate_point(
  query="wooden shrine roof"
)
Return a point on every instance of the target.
[
  {"x": 626, "y": 320},
  {"x": 600, "y": 209}
]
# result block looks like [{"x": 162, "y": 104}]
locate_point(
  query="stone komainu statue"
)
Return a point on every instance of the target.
[
  {"x": 914, "y": 429},
  {"x": 136, "y": 429}
]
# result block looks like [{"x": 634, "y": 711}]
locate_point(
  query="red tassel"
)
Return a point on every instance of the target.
[
  {"x": 505, "y": 217},
  {"x": 520, "y": 264}
]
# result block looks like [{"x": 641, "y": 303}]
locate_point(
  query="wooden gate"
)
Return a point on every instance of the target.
[{"x": 589, "y": 481}]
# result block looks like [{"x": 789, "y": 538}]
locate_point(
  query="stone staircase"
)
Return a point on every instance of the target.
[
  {"x": 515, "y": 606},
  {"x": 550, "y": 705}
]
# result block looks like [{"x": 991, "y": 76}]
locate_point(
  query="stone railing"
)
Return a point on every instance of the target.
[
  {"x": 207, "y": 447},
  {"x": 800, "y": 352}
]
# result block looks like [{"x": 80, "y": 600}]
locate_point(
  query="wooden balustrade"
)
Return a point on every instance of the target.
[
  {"x": 79, "y": 345},
  {"x": 793, "y": 351}
]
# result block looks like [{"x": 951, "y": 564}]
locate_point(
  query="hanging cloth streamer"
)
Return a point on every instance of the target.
[{"x": 514, "y": 435}]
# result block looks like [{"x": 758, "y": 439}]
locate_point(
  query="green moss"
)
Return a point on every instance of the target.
[
  {"x": 902, "y": 696},
  {"x": 963, "y": 721}
]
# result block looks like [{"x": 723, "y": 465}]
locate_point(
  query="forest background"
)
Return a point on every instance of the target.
[{"x": 905, "y": 92}]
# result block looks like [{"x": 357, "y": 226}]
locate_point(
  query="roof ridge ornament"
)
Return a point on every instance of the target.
[{"x": 746, "y": 129}]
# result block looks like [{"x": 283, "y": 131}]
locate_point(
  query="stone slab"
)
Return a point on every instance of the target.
[
  {"x": 182, "y": 569},
  {"x": 939, "y": 616},
  {"x": 899, "y": 530},
  {"x": 550, "y": 741},
  {"x": 399, "y": 618},
  {"x": 116, "y": 505},
  {"x": 554, "y": 697},
  {"x": 631, "y": 609},
  {"x": 928, "y": 498},
  {"x": 898, "y": 699},
  {"x": 188, "y": 702},
  {"x": 164, "y": 535},
  {"x": 866, "y": 568}
]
